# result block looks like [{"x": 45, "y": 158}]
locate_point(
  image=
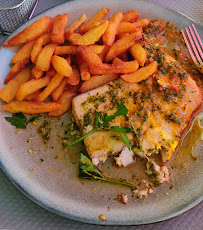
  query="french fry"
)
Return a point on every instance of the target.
[
  {"x": 61, "y": 50},
  {"x": 53, "y": 84},
  {"x": 58, "y": 29},
  {"x": 96, "y": 18},
  {"x": 68, "y": 59},
  {"x": 90, "y": 56},
  {"x": 72, "y": 88},
  {"x": 75, "y": 25},
  {"x": 97, "y": 48},
  {"x": 126, "y": 27},
  {"x": 75, "y": 78},
  {"x": 55, "y": 94},
  {"x": 32, "y": 86},
  {"x": 96, "y": 81},
  {"x": 104, "y": 52},
  {"x": 142, "y": 22},
  {"x": 116, "y": 60},
  {"x": 65, "y": 101},
  {"x": 109, "y": 35},
  {"x": 37, "y": 73},
  {"x": 138, "y": 53},
  {"x": 61, "y": 66},
  {"x": 131, "y": 16},
  {"x": 84, "y": 68},
  {"x": 30, "y": 107},
  {"x": 8, "y": 93},
  {"x": 141, "y": 74},
  {"x": 90, "y": 37},
  {"x": 31, "y": 32},
  {"x": 44, "y": 58},
  {"x": 24, "y": 53},
  {"x": 121, "y": 35},
  {"x": 51, "y": 72},
  {"x": 16, "y": 69},
  {"x": 41, "y": 41},
  {"x": 32, "y": 96},
  {"x": 121, "y": 46},
  {"x": 119, "y": 67}
]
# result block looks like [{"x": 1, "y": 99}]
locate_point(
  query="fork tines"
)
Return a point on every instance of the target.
[{"x": 193, "y": 40}]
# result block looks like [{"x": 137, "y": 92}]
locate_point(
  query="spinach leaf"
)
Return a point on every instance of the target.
[{"x": 88, "y": 171}]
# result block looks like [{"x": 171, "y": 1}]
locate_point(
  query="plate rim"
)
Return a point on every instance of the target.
[{"x": 46, "y": 206}]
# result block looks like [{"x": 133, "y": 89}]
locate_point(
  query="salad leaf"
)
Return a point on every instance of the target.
[
  {"x": 88, "y": 171},
  {"x": 101, "y": 123},
  {"x": 20, "y": 121}
]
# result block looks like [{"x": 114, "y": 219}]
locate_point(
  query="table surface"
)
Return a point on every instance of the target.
[{"x": 18, "y": 212}]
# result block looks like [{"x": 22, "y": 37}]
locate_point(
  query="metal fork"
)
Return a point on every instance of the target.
[{"x": 193, "y": 40}]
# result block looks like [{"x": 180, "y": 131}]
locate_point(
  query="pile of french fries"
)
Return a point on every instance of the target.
[{"x": 57, "y": 62}]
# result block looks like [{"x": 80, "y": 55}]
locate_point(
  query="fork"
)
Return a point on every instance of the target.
[{"x": 195, "y": 42}]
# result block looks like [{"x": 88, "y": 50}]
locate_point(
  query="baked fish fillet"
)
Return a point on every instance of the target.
[{"x": 160, "y": 108}]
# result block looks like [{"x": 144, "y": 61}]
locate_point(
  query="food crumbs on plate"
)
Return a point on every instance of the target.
[
  {"x": 102, "y": 217},
  {"x": 123, "y": 198}
]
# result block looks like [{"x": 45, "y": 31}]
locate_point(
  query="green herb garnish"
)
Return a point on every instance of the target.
[
  {"x": 89, "y": 171},
  {"x": 19, "y": 120},
  {"x": 102, "y": 123}
]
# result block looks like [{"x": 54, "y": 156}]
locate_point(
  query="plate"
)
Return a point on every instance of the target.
[{"x": 53, "y": 183}]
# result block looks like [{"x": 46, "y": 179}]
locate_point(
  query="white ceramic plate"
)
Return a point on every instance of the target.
[{"x": 54, "y": 183}]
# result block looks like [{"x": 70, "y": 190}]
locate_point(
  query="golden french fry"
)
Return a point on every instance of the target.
[
  {"x": 8, "y": 93},
  {"x": 90, "y": 37},
  {"x": 75, "y": 25},
  {"x": 44, "y": 58},
  {"x": 131, "y": 16},
  {"x": 37, "y": 73},
  {"x": 96, "y": 18},
  {"x": 90, "y": 56},
  {"x": 138, "y": 53},
  {"x": 16, "y": 69},
  {"x": 61, "y": 50},
  {"x": 58, "y": 29},
  {"x": 41, "y": 41},
  {"x": 75, "y": 78},
  {"x": 53, "y": 84},
  {"x": 31, "y": 32},
  {"x": 65, "y": 101},
  {"x": 55, "y": 94},
  {"x": 24, "y": 53},
  {"x": 51, "y": 72},
  {"x": 96, "y": 81},
  {"x": 32, "y": 96},
  {"x": 109, "y": 35},
  {"x": 141, "y": 74},
  {"x": 97, "y": 48},
  {"x": 116, "y": 60},
  {"x": 84, "y": 68},
  {"x": 121, "y": 35},
  {"x": 119, "y": 67},
  {"x": 142, "y": 22},
  {"x": 126, "y": 27},
  {"x": 61, "y": 66},
  {"x": 32, "y": 86},
  {"x": 122, "y": 45},
  {"x": 30, "y": 107}
]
